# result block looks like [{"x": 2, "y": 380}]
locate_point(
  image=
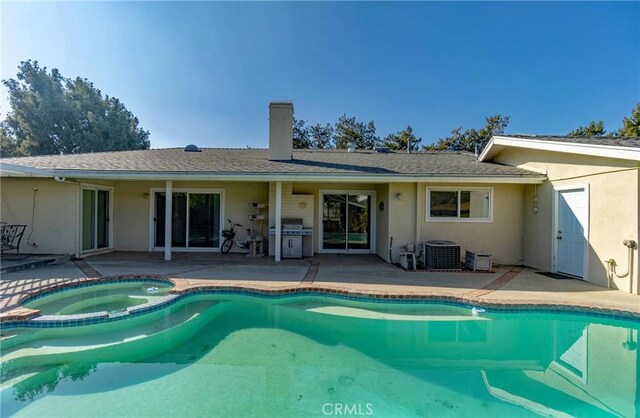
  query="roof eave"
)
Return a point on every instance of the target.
[
  {"x": 315, "y": 177},
  {"x": 499, "y": 143}
]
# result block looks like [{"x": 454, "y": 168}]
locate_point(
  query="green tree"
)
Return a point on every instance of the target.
[
  {"x": 311, "y": 136},
  {"x": 350, "y": 131},
  {"x": 321, "y": 136},
  {"x": 472, "y": 140},
  {"x": 592, "y": 129},
  {"x": 51, "y": 114},
  {"x": 301, "y": 136},
  {"x": 398, "y": 141},
  {"x": 631, "y": 125}
]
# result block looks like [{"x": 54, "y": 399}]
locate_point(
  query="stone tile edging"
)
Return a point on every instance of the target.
[
  {"x": 184, "y": 287},
  {"x": 523, "y": 305}
]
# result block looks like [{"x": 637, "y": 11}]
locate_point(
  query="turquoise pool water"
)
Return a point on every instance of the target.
[
  {"x": 226, "y": 355},
  {"x": 110, "y": 297}
]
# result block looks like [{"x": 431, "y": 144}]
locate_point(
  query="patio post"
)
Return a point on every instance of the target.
[
  {"x": 278, "y": 242},
  {"x": 168, "y": 215}
]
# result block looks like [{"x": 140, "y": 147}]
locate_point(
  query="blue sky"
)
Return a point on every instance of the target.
[{"x": 204, "y": 73}]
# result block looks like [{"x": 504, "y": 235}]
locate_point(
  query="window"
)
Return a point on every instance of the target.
[{"x": 470, "y": 204}]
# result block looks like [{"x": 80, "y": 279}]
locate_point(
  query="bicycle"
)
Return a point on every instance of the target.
[{"x": 229, "y": 238}]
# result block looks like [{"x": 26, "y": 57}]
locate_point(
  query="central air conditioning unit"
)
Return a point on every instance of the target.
[{"x": 442, "y": 255}]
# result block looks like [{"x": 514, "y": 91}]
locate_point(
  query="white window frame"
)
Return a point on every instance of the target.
[
  {"x": 95, "y": 250},
  {"x": 429, "y": 218},
  {"x": 372, "y": 221},
  {"x": 186, "y": 248}
]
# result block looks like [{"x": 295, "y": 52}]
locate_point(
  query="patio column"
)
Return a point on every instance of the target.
[
  {"x": 418, "y": 223},
  {"x": 168, "y": 215},
  {"x": 278, "y": 242}
]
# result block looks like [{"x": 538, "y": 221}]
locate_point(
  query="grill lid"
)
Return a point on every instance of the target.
[{"x": 292, "y": 223}]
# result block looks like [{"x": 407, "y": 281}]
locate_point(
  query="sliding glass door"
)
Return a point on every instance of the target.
[
  {"x": 358, "y": 222},
  {"x": 96, "y": 218},
  {"x": 195, "y": 222},
  {"x": 347, "y": 221}
]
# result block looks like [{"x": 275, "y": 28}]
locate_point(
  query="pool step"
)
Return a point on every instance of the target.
[{"x": 138, "y": 343}]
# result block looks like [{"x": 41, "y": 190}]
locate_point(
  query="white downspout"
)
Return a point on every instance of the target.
[
  {"x": 278, "y": 243},
  {"x": 168, "y": 216}
]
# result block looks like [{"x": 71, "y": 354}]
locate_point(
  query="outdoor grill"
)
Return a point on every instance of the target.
[
  {"x": 292, "y": 233},
  {"x": 292, "y": 226}
]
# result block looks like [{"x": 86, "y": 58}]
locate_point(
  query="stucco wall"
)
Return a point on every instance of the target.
[
  {"x": 402, "y": 216},
  {"x": 315, "y": 188},
  {"x": 502, "y": 237},
  {"x": 131, "y": 215},
  {"x": 613, "y": 213},
  {"x": 54, "y": 225},
  {"x": 56, "y": 216},
  {"x": 132, "y": 209},
  {"x": 382, "y": 222}
]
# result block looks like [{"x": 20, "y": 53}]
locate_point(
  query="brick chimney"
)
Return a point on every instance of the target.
[{"x": 280, "y": 130}]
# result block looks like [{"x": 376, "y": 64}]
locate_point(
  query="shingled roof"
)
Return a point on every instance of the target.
[{"x": 255, "y": 161}]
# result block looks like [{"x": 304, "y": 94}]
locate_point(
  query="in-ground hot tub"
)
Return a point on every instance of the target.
[{"x": 109, "y": 297}]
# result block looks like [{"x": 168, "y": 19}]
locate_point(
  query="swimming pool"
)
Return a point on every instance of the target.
[{"x": 239, "y": 355}]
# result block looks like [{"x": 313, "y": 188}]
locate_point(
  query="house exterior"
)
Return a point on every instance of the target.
[
  {"x": 352, "y": 202},
  {"x": 589, "y": 205}
]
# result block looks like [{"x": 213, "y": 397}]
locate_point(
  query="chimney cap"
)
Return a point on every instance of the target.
[{"x": 281, "y": 103}]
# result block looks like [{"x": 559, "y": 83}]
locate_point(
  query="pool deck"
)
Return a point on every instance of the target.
[{"x": 354, "y": 275}]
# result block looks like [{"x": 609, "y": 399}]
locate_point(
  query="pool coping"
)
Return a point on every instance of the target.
[{"x": 26, "y": 317}]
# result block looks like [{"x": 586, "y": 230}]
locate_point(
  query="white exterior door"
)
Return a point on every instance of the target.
[{"x": 570, "y": 236}]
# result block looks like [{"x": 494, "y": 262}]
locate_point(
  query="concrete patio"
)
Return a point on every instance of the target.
[{"x": 365, "y": 274}]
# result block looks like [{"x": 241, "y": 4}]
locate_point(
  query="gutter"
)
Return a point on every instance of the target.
[
  {"x": 8, "y": 170},
  {"x": 320, "y": 177}
]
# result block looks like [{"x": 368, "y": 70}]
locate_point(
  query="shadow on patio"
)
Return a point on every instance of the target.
[{"x": 360, "y": 273}]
